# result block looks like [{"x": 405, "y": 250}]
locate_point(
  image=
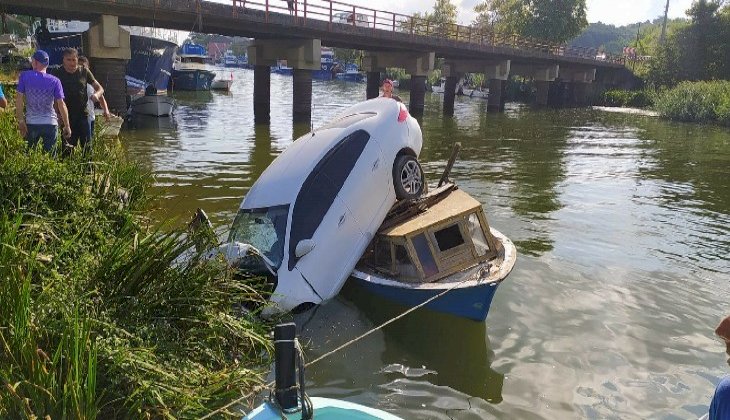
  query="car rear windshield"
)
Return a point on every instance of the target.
[{"x": 264, "y": 229}]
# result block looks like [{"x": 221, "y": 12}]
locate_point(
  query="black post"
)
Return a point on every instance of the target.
[
  {"x": 302, "y": 97},
  {"x": 418, "y": 95},
  {"x": 373, "y": 88},
  {"x": 261, "y": 94},
  {"x": 285, "y": 367},
  {"x": 449, "y": 95},
  {"x": 494, "y": 100}
]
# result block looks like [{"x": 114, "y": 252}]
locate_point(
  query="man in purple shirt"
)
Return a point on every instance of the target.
[{"x": 38, "y": 91}]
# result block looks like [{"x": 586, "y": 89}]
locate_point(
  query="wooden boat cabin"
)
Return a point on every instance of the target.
[{"x": 450, "y": 236}]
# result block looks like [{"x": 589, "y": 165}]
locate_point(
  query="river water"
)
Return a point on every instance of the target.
[{"x": 623, "y": 233}]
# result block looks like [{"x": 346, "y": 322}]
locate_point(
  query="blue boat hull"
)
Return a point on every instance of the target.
[
  {"x": 351, "y": 77},
  {"x": 468, "y": 302},
  {"x": 324, "y": 409},
  {"x": 192, "y": 79}
]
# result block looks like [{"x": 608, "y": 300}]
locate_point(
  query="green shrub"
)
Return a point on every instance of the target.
[
  {"x": 628, "y": 98},
  {"x": 704, "y": 102}
]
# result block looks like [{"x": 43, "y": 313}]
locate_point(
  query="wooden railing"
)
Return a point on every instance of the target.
[{"x": 364, "y": 18}]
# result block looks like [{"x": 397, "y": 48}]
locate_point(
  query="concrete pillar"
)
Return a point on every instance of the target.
[
  {"x": 580, "y": 94},
  {"x": 497, "y": 95},
  {"x": 543, "y": 92},
  {"x": 261, "y": 94},
  {"x": 418, "y": 95},
  {"x": 110, "y": 73},
  {"x": 373, "y": 88},
  {"x": 108, "y": 48},
  {"x": 557, "y": 94},
  {"x": 450, "y": 94},
  {"x": 302, "y": 101}
]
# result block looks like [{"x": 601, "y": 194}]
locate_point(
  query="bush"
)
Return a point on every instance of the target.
[
  {"x": 628, "y": 98},
  {"x": 704, "y": 102}
]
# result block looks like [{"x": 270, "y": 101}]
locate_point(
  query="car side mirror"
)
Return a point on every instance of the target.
[{"x": 303, "y": 247}]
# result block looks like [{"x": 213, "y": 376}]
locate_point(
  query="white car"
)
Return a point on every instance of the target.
[
  {"x": 349, "y": 18},
  {"x": 314, "y": 210}
]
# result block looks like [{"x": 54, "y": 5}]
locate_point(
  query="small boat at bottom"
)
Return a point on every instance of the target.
[
  {"x": 222, "y": 84},
  {"x": 289, "y": 400},
  {"x": 154, "y": 105},
  {"x": 440, "y": 244}
]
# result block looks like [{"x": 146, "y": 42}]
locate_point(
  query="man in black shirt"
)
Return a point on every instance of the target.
[{"x": 74, "y": 79}]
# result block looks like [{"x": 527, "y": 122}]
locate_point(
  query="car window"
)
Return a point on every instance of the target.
[{"x": 322, "y": 186}]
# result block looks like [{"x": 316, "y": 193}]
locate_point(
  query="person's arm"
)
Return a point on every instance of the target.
[
  {"x": 19, "y": 115},
  {"x": 3, "y": 102},
  {"x": 63, "y": 112},
  {"x": 104, "y": 107}
]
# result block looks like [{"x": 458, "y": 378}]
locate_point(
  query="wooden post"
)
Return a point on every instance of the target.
[
  {"x": 330, "y": 23},
  {"x": 267, "y": 11},
  {"x": 375, "y": 19},
  {"x": 393, "y": 22},
  {"x": 354, "y": 16}
]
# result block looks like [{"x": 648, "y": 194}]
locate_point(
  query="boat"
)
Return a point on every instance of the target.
[
  {"x": 152, "y": 53},
  {"x": 288, "y": 399},
  {"x": 479, "y": 93},
  {"x": 155, "y": 105},
  {"x": 189, "y": 72},
  {"x": 222, "y": 84},
  {"x": 229, "y": 59},
  {"x": 282, "y": 68},
  {"x": 351, "y": 74},
  {"x": 439, "y": 244},
  {"x": 327, "y": 65}
]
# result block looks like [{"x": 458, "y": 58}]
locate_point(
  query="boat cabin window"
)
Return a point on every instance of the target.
[
  {"x": 264, "y": 229},
  {"x": 403, "y": 264},
  {"x": 448, "y": 238},
  {"x": 481, "y": 246},
  {"x": 382, "y": 255},
  {"x": 428, "y": 263}
]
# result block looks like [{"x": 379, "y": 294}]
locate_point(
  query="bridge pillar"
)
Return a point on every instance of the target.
[
  {"x": 261, "y": 94},
  {"x": 373, "y": 88},
  {"x": 497, "y": 95},
  {"x": 418, "y": 95},
  {"x": 303, "y": 55},
  {"x": 107, "y": 46},
  {"x": 302, "y": 98},
  {"x": 543, "y": 92},
  {"x": 450, "y": 94}
]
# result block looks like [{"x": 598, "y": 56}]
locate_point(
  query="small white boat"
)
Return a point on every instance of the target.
[
  {"x": 222, "y": 84},
  {"x": 154, "y": 105},
  {"x": 479, "y": 93}
]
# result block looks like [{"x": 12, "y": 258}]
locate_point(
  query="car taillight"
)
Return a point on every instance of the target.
[{"x": 403, "y": 114}]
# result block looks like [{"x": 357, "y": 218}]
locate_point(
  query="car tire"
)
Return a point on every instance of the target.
[{"x": 408, "y": 179}]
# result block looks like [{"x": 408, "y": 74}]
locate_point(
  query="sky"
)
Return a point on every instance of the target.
[{"x": 616, "y": 12}]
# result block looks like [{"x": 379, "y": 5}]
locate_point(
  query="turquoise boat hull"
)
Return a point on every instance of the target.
[{"x": 324, "y": 409}]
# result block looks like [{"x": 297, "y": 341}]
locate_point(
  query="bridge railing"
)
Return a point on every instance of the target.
[{"x": 363, "y": 18}]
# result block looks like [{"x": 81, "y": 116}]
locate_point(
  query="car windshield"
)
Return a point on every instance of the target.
[{"x": 264, "y": 229}]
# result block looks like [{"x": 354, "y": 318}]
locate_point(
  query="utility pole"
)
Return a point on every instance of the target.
[{"x": 664, "y": 25}]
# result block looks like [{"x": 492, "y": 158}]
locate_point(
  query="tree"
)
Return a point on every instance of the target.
[
  {"x": 485, "y": 16},
  {"x": 550, "y": 20}
]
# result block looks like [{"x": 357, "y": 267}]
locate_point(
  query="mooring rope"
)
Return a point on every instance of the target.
[{"x": 343, "y": 346}]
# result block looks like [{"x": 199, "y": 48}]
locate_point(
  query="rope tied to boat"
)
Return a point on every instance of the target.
[{"x": 330, "y": 353}]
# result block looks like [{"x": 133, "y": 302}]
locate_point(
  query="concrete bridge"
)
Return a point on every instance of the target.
[{"x": 562, "y": 74}]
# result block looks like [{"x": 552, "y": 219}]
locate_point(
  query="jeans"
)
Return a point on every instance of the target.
[
  {"x": 80, "y": 134},
  {"x": 45, "y": 132}
]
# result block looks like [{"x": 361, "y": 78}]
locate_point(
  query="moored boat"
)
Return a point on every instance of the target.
[
  {"x": 351, "y": 74},
  {"x": 440, "y": 244},
  {"x": 189, "y": 71},
  {"x": 153, "y": 105},
  {"x": 222, "y": 83}
]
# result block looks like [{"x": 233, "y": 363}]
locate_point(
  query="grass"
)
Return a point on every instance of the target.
[
  {"x": 703, "y": 102},
  {"x": 95, "y": 319}
]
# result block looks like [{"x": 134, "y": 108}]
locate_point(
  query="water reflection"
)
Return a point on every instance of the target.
[{"x": 433, "y": 347}]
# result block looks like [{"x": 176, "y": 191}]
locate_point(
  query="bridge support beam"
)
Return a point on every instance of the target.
[
  {"x": 107, "y": 46},
  {"x": 497, "y": 95},
  {"x": 544, "y": 77},
  {"x": 496, "y": 72},
  {"x": 303, "y": 55},
  {"x": 261, "y": 94},
  {"x": 543, "y": 92},
  {"x": 418, "y": 65},
  {"x": 302, "y": 97},
  {"x": 450, "y": 94},
  {"x": 373, "y": 87}
]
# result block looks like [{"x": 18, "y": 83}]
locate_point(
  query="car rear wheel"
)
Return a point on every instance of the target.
[{"x": 408, "y": 178}]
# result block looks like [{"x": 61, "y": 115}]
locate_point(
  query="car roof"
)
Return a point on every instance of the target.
[{"x": 280, "y": 183}]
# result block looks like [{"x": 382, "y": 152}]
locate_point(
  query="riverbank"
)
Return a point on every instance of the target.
[
  {"x": 702, "y": 102},
  {"x": 94, "y": 320}
]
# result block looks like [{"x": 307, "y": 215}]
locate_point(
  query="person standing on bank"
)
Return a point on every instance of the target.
[
  {"x": 74, "y": 79},
  {"x": 720, "y": 405},
  {"x": 84, "y": 62},
  {"x": 37, "y": 93}
]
